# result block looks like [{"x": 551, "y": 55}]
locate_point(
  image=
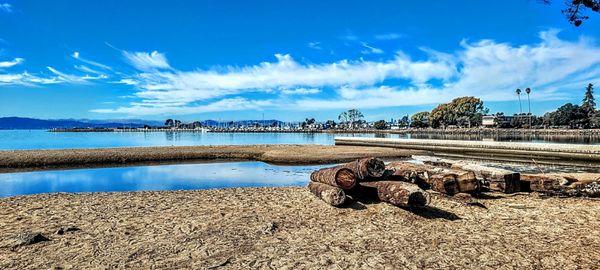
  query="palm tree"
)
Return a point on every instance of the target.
[
  {"x": 528, "y": 90},
  {"x": 518, "y": 91}
]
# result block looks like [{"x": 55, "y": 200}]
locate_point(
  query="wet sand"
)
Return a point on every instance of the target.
[
  {"x": 27, "y": 160},
  {"x": 288, "y": 228}
]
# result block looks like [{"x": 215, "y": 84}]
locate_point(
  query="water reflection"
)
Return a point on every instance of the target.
[
  {"x": 40, "y": 139},
  {"x": 165, "y": 177}
]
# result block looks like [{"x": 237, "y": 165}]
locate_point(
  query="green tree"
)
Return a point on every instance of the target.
[
  {"x": 420, "y": 120},
  {"x": 169, "y": 123},
  {"x": 330, "y": 124},
  {"x": 574, "y": 9},
  {"x": 566, "y": 115},
  {"x": 470, "y": 110},
  {"x": 589, "y": 103},
  {"x": 380, "y": 124},
  {"x": 351, "y": 117},
  {"x": 404, "y": 121},
  {"x": 595, "y": 120}
]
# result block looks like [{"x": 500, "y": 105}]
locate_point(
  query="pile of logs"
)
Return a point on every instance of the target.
[
  {"x": 404, "y": 183},
  {"x": 364, "y": 178}
]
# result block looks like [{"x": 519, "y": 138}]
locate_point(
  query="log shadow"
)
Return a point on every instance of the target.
[
  {"x": 486, "y": 196},
  {"x": 430, "y": 212},
  {"x": 356, "y": 205}
]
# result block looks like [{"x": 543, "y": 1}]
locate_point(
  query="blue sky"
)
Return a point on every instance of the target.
[{"x": 286, "y": 59}]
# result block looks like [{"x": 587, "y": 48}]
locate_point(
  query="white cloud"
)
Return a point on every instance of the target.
[
  {"x": 553, "y": 68},
  {"x": 6, "y": 7},
  {"x": 229, "y": 104},
  {"x": 301, "y": 91},
  {"x": 69, "y": 78},
  {"x": 370, "y": 49},
  {"x": 147, "y": 61},
  {"x": 388, "y": 36},
  {"x": 14, "y": 62},
  {"x": 25, "y": 79},
  {"x": 87, "y": 69},
  {"x": 77, "y": 56}
]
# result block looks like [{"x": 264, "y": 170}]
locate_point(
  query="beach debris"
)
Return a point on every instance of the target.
[
  {"x": 27, "y": 238},
  {"x": 495, "y": 179},
  {"x": 268, "y": 228},
  {"x": 367, "y": 168},
  {"x": 399, "y": 193},
  {"x": 63, "y": 230},
  {"x": 338, "y": 176},
  {"x": 404, "y": 183},
  {"x": 334, "y": 196},
  {"x": 443, "y": 180}
]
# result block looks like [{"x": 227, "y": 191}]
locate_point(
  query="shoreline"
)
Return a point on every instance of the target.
[
  {"x": 241, "y": 228},
  {"x": 31, "y": 160},
  {"x": 418, "y": 131}
]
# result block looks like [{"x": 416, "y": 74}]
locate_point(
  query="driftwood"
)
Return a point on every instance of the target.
[
  {"x": 444, "y": 183},
  {"x": 398, "y": 193},
  {"x": 367, "y": 168},
  {"x": 444, "y": 180},
  {"x": 497, "y": 179},
  {"x": 332, "y": 195},
  {"x": 338, "y": 176}
]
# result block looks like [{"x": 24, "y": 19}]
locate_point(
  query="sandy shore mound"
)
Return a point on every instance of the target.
[
  {"x": 22, "y": 160},
  {"x": 288, "y": 228}
]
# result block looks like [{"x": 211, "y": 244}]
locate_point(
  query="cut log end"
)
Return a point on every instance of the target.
[
  {"x": 345, "y": 178},
  {"x": 375, "y": 167},
  {"x": 332, "y": 195}
]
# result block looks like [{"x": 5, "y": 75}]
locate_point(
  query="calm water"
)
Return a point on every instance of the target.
[
  {"x": 41, "y": 139},
  {"x": 164, "y": 177}
]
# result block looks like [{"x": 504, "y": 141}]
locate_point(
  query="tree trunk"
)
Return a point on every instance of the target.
[
  {"x": 332, "y": 195},
  {"x": 338, "y": 176},
  {"x": 399, "y": 193},
  {"x": 367, "y": 168}
]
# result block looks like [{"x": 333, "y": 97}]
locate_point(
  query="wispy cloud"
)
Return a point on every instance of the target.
[
  {"x": 6, "y": 7},
  {"x": 388, "y": 36},
  {"x": 77, "y": 56},
  {"x": 14, "y": 62},
  {"x": 315, "y": 45},
  {"x": 301, "y": 91},
  {"x": 485, "y": 68},
  {"x": 147, "y": 61},
  {"x": 69, "y": 78},
  {"x": 370, "y": 49}
]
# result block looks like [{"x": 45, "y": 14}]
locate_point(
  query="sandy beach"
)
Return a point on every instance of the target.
[
  {"x": 288, "y": 228},
  {"x": 28, "y": 160}
]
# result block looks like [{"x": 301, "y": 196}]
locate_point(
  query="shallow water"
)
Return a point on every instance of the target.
[
  {"x": 163, "y": 177},
  {"x": 41, "y": 139}
]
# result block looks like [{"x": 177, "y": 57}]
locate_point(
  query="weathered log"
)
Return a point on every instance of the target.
[
  {"x": 540, "y": 183},
  {"x": 498, "y": 179},
  {"x": 448, "y": 181},
  {"x": 467, "y": 181},
  {"x": 367, "y": 168},
  {"x": 332, "y": 195},
  {"x": 398, "y": 193},
  {"x": 444, "y": 183},
  {"x": 338, "y": 176}
]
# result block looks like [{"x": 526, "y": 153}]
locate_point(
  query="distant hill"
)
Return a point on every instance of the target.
[
  {"x": 32, "y": 123},
  {"x": 213, "y": 123}
]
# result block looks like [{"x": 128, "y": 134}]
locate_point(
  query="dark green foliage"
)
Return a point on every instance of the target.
[
  {"x": 380, "y": 124},
  {"x": 420, "y": 120},
  {"x": 463, "y": 111}
]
